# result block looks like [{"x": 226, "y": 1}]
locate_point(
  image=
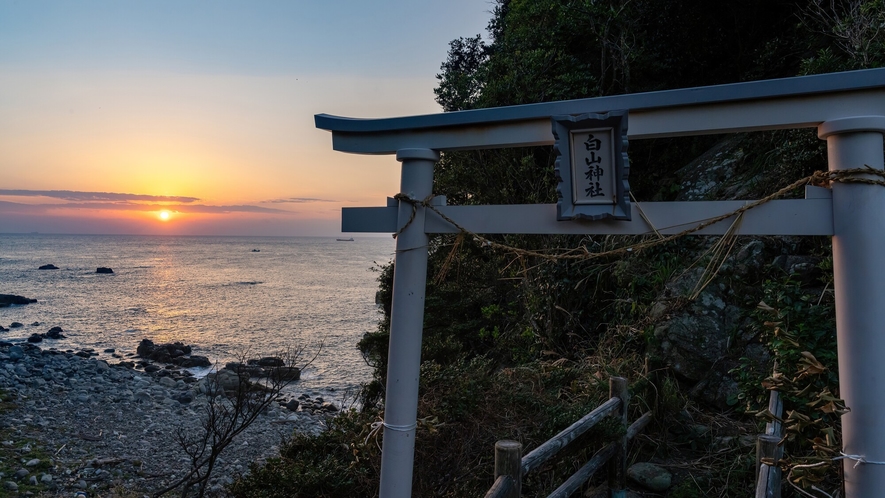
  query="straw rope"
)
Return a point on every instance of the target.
[{"x": 818, "y": 178}]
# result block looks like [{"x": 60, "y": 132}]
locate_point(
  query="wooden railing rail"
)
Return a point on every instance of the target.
[
  {"x": 542, "y": 453},
  {"x": 510, "y": 468}
]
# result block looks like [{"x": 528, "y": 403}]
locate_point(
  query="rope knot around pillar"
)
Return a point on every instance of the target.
[{"x": 414, "y": 203}]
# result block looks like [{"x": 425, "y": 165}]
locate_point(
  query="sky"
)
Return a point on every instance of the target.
[{"x": 196, "y": 117}]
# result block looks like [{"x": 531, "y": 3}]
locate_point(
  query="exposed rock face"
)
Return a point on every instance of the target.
[
  {"x": 706, "y": 177},
  {"x": 10, "y": 299},
  {"x": 103, "y": 269},
  {"x": 702, "y": 340},
  {"x": 696, "y": 336}
]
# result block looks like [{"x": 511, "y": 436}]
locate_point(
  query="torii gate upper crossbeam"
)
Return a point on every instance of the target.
[{"x": 801, "y": 102}]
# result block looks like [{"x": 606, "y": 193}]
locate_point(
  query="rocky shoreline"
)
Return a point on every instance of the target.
[{"x": 73, "y": 423}]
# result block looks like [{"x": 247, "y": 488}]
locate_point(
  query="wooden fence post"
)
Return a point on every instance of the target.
[
  {"x": 617, "y": 465},
  {"x": 768, "y": 483},
  {"x": 508, "y": 461}
]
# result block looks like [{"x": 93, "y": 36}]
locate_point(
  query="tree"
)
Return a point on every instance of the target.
[{"x": 234, "y": 403}]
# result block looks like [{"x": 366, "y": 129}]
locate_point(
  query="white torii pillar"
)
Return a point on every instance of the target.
[
  {"x": 406, "y": 325},
  {"x": 859, "y": 284}
]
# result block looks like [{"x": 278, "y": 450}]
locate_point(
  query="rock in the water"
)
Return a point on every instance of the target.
[
  {"x": 54, "y": 333},
  {"x": 15, "y": 325},
  {"x": 103, "y": 269},
  {"x": 650, "y": 476},
  {"x": 192, "y": 361},
  {"x": 35, "y": 338},
  {"x": 48, "y": 267},
  {"x": 284, "y": 373},
  {"x": 293, "y": 405},
  {"x": 9, "y": 299},
  {"x": 163, "y": 353},
  {"x": 268, "y": 361}
]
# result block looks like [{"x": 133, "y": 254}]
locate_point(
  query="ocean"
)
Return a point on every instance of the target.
[{"x": 228, "y": 297}]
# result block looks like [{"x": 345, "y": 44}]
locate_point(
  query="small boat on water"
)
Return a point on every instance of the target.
[{"x": 345, "y": 240}]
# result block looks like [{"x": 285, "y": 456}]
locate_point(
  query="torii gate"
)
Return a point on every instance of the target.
[{"x": 848, "y": 110}]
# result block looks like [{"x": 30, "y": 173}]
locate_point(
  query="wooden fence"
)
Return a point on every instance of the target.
[
  {"x": 511, "y": 466},
  {"x": 769, "y": 449}
]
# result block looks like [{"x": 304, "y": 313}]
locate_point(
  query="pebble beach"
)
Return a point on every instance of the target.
[{"x": 79, "y": 422}]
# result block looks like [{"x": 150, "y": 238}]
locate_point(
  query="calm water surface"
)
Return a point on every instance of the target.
[{"x": 226, "y": 296}]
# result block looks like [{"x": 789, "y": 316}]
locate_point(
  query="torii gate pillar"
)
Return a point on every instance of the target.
[
  {"x": 859, "y": 283},
  {"x": 406, "y": 325}
]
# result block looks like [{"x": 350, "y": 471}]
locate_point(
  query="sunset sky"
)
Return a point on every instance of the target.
[{"x": 196, "y": 117}]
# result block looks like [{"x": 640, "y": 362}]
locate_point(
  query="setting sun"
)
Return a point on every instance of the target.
[{"x": 164, "y": 215}]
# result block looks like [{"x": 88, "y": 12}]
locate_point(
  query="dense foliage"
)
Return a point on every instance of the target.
[{"x": 519, "y": 348}]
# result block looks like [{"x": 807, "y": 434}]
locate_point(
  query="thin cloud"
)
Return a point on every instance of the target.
[
  {"x": 199, "y": 208},
  {"x": 77, "y": 196},
  {"x": 126, "y": 206},
  {"x": 296, "y": 200}
]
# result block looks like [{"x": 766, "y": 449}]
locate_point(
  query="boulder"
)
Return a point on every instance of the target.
[
  {"x": 226, "y": 380},
  {"x": 16, "y": 353},
  {"x": 15, "y": 325},
  {"x": 650, "y": 476},
  {"x": 270, "y": 361},
  {"x": 251, "y": 370},
  {"x": 35, "y": 338},
  {"x": 283, "y": 373},
  {"x": 7, "y": 300},
  {"x": 185, "y": 397},
  {"x": 48, "y": 267},
  {"x": 103, "y": 269},
  {"x": 192, "y": 361},
  {"x": 54, "y": 333},
  {"x": 163, "y": 353}
]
